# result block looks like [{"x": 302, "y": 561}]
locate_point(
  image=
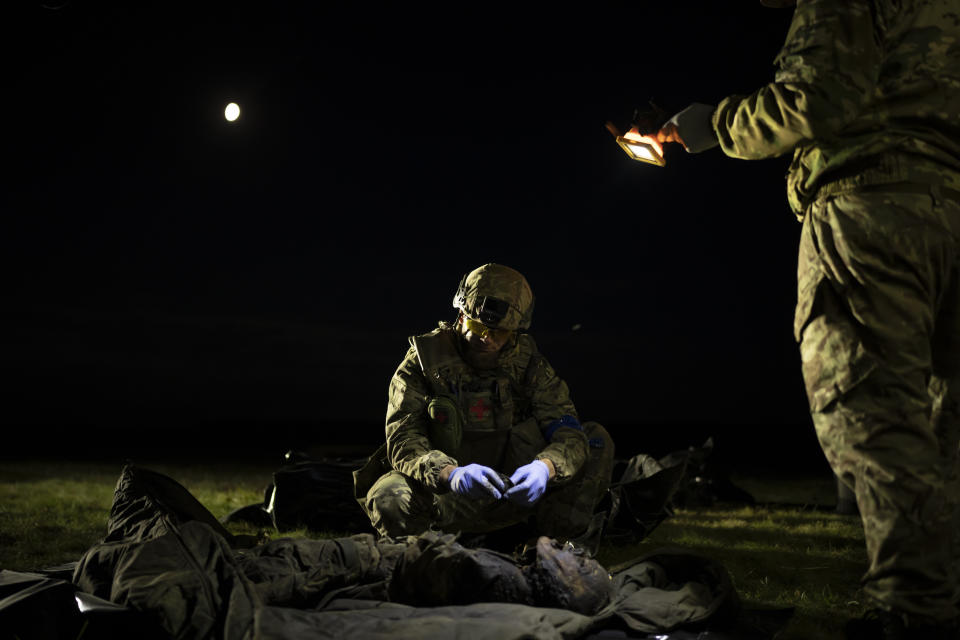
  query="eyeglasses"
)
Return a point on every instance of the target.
[{"x": 477, "y": 328}]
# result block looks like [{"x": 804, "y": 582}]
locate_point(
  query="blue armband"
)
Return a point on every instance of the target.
[{"x": 562, "y": 421}]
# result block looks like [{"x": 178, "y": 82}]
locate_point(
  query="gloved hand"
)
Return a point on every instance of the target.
[
  {"x": 529, "y": 483},
  {"x": 692, "y": 127},
  {"x": 476, "y": 481}
]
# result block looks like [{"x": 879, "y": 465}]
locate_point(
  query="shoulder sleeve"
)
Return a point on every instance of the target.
[
  {"x": 549, "y": 394},
  {"x": 828, "y": 69},
  {"x": 408, "y": 443},
  {"x": 550, "y": 401}
]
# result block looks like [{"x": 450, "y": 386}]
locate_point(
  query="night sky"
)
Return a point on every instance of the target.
[{"x": 171, "y": 273}]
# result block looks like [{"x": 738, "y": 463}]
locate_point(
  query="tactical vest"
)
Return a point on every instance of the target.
[{"x": 472, "y": 413}]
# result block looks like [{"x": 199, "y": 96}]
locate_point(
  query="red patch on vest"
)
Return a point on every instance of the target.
[
  {"x": 441, "y": 417},
  {"x": 480, "y": 408}
]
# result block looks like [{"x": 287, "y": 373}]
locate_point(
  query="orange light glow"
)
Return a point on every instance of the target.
[
  {"x": 642, "y": 148},
  {"x": 634, "y": 135}
]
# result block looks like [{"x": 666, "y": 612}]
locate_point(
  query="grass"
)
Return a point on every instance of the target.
[
  {"x": 777, "y": 557},
  {"x": 51, "y": 512},
  {"x": 789, "y": 551}
]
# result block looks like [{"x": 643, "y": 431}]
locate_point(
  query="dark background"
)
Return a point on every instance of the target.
[{"x": 182, "y": 282}]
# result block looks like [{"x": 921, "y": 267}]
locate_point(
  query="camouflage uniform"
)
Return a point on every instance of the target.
[
  {"x": 510, "y": 415},
  {"x": 867, "y": 95}
]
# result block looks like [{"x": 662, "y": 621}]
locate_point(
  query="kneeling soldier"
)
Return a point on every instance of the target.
[{"x": 480, "y": 431}]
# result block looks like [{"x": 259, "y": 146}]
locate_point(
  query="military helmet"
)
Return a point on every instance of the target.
[{"x": 497, "y": 296}]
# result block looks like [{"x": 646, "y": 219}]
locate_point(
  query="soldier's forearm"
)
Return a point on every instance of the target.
[
  {"x": 566, "y": 452},
  {"x": 827, "y": 73},
  {"x": 420, "y": 462}
]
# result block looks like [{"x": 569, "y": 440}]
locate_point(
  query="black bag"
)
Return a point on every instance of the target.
[
  {"x": 315, "y": 494},
  {"x": 639, "y": 498}
]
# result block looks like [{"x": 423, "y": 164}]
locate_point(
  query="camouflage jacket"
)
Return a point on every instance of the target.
[
  {"x": 866, "y": 92},
  {"x": 523, "y": 387}
]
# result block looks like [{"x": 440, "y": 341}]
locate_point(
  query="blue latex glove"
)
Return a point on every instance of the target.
[
  {"x": 529, "y": 483},
  {"x": 476, "y": 481}
]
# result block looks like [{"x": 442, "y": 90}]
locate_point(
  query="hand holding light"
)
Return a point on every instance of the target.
[
  {"x": 692, "y": 127},
  {"x": 668, "y": 133}
]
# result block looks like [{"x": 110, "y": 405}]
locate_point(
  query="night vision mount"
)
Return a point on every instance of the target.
[{"x": 487, "y": 309}]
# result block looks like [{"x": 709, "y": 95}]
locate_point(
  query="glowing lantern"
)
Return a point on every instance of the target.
[
  {"x": 638, "y": 147},
  {"x": 642, "y": 148}
]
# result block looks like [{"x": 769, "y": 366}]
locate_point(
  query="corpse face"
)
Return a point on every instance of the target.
[{"x": 569, "y": 580}]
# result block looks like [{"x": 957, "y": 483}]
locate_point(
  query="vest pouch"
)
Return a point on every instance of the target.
[
  {"x": 503, "y": 415},
  {"x": 484, "y": 439},
  {"x": 486, "y": 447},
  {"x": 446, "y": 424},
  {"x": 526, "y": 441}
]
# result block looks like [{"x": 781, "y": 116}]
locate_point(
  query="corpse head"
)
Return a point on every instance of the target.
[{"x": 563, "y": 578}]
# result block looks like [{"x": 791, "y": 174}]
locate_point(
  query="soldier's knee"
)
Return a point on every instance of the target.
[
  {"x": 598, "y": 437},
  {"x": 600, "y": 458},
  {"x": 387, "y": 503},
  {"x": 394, "y": 508},
  {"x": 388, "y": 499},
  {"x": 568, "y": 511}
]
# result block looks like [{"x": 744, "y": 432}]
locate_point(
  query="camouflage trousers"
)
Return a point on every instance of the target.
[
  {"x": 878, "y": 322},
  {"x": 399, "y": 505}
]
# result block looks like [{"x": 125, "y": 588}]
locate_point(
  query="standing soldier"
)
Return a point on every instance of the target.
[
  {"x": 472, "y": 403},
  {"x": 867, "y": 97}
]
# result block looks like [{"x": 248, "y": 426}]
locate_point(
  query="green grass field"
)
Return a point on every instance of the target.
[{"x": 802, "y": 555}]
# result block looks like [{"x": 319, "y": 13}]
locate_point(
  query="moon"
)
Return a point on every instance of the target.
[{"x": 232, "y": 112}]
